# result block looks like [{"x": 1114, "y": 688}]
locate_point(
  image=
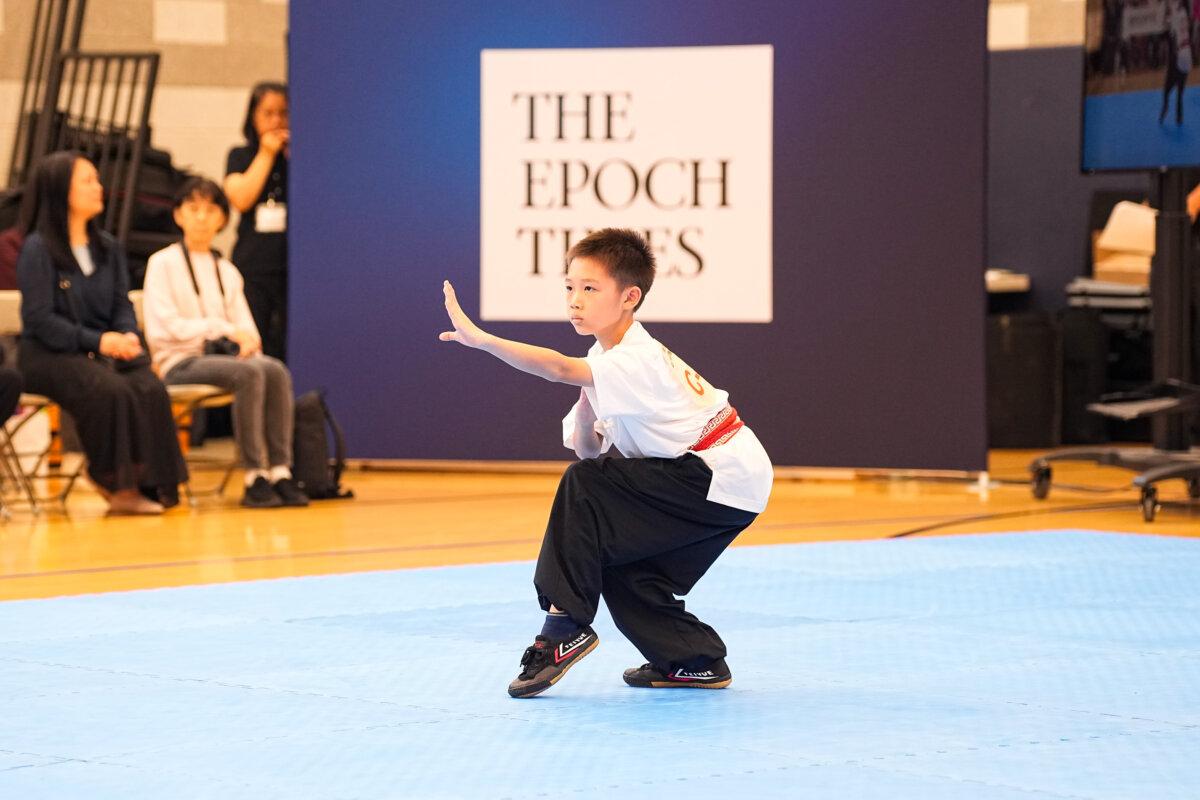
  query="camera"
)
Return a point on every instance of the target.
[{"x": 221, "y": 347}]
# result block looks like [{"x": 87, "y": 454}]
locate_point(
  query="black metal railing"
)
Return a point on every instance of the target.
[
  {"x": 57, "y": 25},
  {"x": 102, "y": 109}
]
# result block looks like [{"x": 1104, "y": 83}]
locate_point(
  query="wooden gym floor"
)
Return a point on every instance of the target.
[{"x": 404, "y": 519}]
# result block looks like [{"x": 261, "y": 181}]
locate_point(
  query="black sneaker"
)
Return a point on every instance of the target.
[
  {"x": 714, "y": 676},
  {"x": 260, "y": 495},
  {"x": 547, "y": 660},
  {"x": 290, "y": 493}
]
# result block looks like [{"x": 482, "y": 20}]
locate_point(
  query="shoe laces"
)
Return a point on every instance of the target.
[{"x": 536, "y": 656}]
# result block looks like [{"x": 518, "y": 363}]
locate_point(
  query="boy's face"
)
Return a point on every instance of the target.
[
  {"x": 200, "y": 219},
  {"x": 595, "y": 301}
]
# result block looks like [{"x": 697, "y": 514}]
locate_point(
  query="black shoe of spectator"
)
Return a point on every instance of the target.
[
  {"x": 260, "y": 495},
  {"x": 166, "y": 496},
  {"x": 290, "y": 493}
]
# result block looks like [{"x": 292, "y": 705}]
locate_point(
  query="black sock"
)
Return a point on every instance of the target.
[{"x": 559, "y": 625}]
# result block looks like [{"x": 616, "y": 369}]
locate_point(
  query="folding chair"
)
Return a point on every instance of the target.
[
  {"x": 186, "y": 400},
  {"x": 50, "y": 462},
  {"x": 12, "y": 475}
]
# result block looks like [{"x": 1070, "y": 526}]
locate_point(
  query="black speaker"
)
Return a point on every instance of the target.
[{"x": 1024, "y": 380}]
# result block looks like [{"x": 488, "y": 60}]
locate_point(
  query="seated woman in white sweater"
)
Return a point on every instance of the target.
[{"x": 200, "y": 330}]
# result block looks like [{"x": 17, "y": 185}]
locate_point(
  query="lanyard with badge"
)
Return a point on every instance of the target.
[{"x": 271, "y": 216}]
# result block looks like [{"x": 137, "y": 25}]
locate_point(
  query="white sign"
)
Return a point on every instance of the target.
[
  {"x": 672, "y": 142},
  {"x": 1147, "y": 19}
]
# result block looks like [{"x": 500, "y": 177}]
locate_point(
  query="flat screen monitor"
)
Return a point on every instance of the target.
[{"x": 1141, "y": 98}]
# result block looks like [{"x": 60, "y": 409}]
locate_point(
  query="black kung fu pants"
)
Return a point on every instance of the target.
[{"x": 638, "y": 531}]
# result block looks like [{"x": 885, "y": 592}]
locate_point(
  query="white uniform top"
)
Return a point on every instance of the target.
[
  {"x": 177, "y": 321},
  {"x": 650, "y": 404}
]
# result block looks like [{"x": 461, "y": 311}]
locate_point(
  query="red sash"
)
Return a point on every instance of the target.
[{"x": 719, "y": 430}]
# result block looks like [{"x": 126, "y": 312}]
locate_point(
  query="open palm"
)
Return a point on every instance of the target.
[{"x": 465, "y": 331}]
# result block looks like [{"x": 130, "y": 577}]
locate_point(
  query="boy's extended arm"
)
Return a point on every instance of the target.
[{"x": 540, "y": 361}]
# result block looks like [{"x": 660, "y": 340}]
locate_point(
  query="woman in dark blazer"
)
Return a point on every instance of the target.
[{"x": 79, "y": 341}]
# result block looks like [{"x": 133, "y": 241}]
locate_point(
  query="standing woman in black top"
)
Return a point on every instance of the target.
[
  {"x": 79, "y": 341},
  {"x": 256, "y": 177}
]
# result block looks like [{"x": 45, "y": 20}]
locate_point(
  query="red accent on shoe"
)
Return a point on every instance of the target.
[{"x": 561, "y": 655}]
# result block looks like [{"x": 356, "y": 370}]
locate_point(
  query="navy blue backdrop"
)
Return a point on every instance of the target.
[{"x": 875, "y": 355}]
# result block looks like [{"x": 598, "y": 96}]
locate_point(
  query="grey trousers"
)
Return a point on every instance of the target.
[{"x": 262, "y": 403}]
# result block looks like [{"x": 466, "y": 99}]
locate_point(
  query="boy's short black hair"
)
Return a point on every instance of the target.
[
  {"x": 204, "y": 188},
  {"x": 625, "y": 254}
]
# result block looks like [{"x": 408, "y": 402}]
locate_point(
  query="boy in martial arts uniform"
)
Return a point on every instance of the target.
[{"x": 642, "y": 529}]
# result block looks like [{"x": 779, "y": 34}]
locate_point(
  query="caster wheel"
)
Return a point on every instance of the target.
[
  {"x": 1193, "y": 485},
  {"x": 1040, "y": 482},
  {"x": 1149, "y": 503}
]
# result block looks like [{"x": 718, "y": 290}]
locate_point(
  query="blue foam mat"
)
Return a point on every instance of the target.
[{"x": 1058, "y": 664}]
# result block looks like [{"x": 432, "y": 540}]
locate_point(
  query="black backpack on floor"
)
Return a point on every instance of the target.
[{"x": 318, "y": 475}]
